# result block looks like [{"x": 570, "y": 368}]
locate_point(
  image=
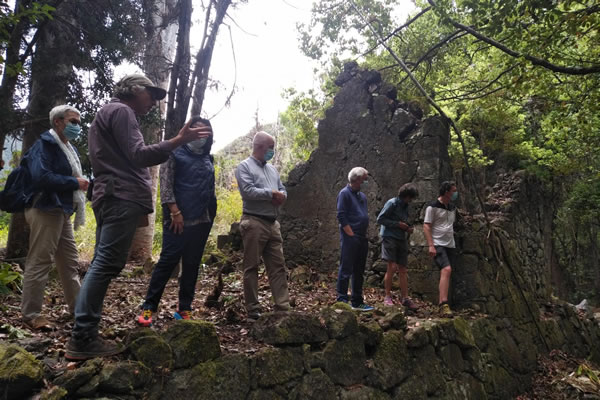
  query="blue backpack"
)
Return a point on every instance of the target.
[{"x": 13, "y": 198}]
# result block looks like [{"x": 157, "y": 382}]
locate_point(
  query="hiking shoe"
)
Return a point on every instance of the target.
[
  {"x": 253, "y": 316},
  {"x": 39, "y": 323},
  {"x": 409, "y": 304},
  {"x": 145, "y": 318},
  {"x": 77, "y": 350},
  {"x": 387, "y": 301},
  {"x": 445, "y": 310},
  {"x": 184, "y": 314},
  {"x": 362, "y": 307}
]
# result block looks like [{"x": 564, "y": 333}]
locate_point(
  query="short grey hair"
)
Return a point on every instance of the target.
[
  {"x": 60, "y": 111},
  {"x": 260, "y": 137},
  {"x": 356, "y": 173}
]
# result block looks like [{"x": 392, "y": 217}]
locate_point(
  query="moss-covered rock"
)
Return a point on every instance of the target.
[
  {"x": 394, "y": 319},
  {"x": 363, "y": 393},
  {"x": 428, "y": 367},
  {"x": 458, "y": 331},
  {"x": 123, "y": 377},
  {"x": 225, "y": 378},
  {"x": 265, "y": 394},
  {"x": 278, "y": 366},
  {"x": 54, "y": 393},
  {"x": 192, "y": 342},
  {"x": 314, "y": 386},
  {"x": 465, "y": 388},
  {"x": 72, "y": 380},
  {"x": 20, "y": 372},
  {"x": 339, "y": 323},
  {"x": 391, "y": 363},
  {"x": 452, "y": 357},
  {"x": 283, "y": 328},
  {"x": 344, "y": 360},
  {"x": 412, "y": 389},
  {"x": 152, "y": 351},
  {"x": 90, "y": 388},
  {"x": 372, "y": 333}
]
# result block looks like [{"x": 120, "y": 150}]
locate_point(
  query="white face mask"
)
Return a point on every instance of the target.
[{"x": 197, "y": 146}]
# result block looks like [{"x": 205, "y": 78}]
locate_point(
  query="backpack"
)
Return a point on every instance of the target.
[{"x": 13, "y": 198}]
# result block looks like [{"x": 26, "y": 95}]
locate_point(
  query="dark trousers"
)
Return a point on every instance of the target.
[
  {"x": 353, "y": 258},
  {"x": 116, "y": 222},
  {"x": 187, "y": 246}
]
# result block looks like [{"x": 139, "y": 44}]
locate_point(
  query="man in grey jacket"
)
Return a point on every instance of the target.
[{"x": 262, "y": 195}]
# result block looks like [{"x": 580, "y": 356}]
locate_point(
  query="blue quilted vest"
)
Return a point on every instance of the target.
[{"x": 194, "y": 185}]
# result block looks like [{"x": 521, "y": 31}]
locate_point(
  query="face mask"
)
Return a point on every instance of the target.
[
  {"x": 364, "y": 185},
  {"x": 72, "y": 131},
  {"x": 269, "y": 154},
  {"x": 197, "y": 146},
  {"x": 454, "y": 196}
]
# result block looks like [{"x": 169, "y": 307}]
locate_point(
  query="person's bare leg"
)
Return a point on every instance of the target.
[
  {"x": 444, "y": 283},
  {"x": 403, "y": 276},
  {"x": 389, "y": 277}
]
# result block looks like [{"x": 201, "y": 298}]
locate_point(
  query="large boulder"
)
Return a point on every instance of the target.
[
  {"x": 151, "y": 349},
  {"x": 289, "y": 328},
  {"x": 124, "y": 377},
  {"x": 363, "y": 393},
  {"x": 72, "y": 380},
  {"x": 340, "y": 323},
  {"x": 391, "y": 363},
  {"x": 192, "y": 342},
  {"x": 344, "y": 360},
  {"x": 278, "y": 366},
  {"x": 225, "y": 378},
  {"x": 20, "y": 372},
  {"x": 314, "y": 386}
]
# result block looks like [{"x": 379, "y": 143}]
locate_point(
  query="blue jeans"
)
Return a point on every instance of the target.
[
  {"x": 353, "y": 258},
  {"x": 187, "y": 246},
  {"x": 116, "y": 223}
]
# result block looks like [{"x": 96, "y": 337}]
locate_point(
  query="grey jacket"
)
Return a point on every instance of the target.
[{"x": 256, "y": 181}]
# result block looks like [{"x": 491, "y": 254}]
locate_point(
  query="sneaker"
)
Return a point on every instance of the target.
[
  {"x": 362, "y": 307},
  {"x": 445, "y": 310},
  {"x": 388, "y": 301},
  {"x": 409, "y": 304},
  {"x": 145, "y": 318},
  {"x": 84, "y": 350},
  {"x": 253, "y": 316},
  {"x": 184, "y": 314}
]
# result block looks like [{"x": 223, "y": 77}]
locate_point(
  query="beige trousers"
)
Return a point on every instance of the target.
[
  {"x": 262, "y": 238},
  {"x": 50, "y": 240}
]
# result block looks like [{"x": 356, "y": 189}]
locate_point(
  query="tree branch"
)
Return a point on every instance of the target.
[{"x": 513, "y": 53}]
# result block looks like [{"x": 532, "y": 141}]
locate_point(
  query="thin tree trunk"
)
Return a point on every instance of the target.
[
  {"x": 159, "y": 48},
  {"x": 51, "y": 72}
]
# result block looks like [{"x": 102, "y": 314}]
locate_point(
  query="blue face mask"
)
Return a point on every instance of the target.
[
  {"x": 454, "y": 196},
  {"x": 72, "y": 131},
  {"x": 364, "y": 185},
  {"x": 269, "y": 154}
]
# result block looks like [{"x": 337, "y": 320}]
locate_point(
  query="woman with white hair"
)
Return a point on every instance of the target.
[
  {"x": 56, "y": 191},
  {"x": 353, "y": 216}
]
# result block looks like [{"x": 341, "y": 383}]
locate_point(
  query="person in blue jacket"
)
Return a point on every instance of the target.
[
  {"x": 187, "y": 192},
  {"x": 353, "y": 217},
  {"x": 394, "y": 232},
  {"x": 56, "y": 191}
]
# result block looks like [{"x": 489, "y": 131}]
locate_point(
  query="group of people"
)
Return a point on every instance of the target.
[
  {"x": 353, "y": 217},
  {"x": 121, "y": 198}
]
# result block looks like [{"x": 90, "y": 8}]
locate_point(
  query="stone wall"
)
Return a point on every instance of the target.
[
  {"x": 331, "y": 354},
  {"x": 366, "y": 126}
]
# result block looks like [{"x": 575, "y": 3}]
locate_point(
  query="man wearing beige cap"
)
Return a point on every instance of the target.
[{"x": 122, "y": 196}]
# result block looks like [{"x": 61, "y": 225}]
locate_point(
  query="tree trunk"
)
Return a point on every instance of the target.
[
  {"x": 51, "y": 72},
  {"x": 159, "y": 48}
]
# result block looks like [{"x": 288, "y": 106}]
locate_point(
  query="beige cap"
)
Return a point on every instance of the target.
[{"x": 129, "y": 81}]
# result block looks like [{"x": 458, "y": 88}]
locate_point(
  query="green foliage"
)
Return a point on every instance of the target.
[
  {"x": 229, "y": 209},
  {"x": 10, "y": 279},
  {"x": 85, "y": 236},
  {"x": 300, "y": 120}
]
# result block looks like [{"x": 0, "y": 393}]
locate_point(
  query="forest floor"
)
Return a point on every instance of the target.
[{"x": 557, "y": 376}]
